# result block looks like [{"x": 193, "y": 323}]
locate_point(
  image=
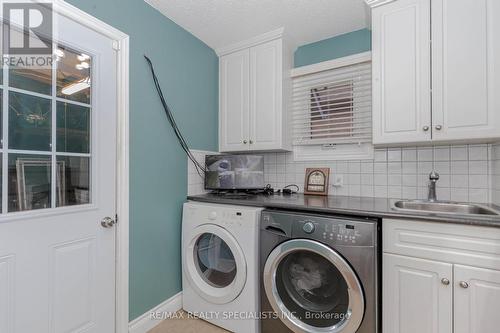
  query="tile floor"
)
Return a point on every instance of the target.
[{"x": 184, "y": 324}]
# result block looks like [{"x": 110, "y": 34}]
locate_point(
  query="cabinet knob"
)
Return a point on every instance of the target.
[
  {"x": 445, "y": 281},
  {"x": 245, "y": 142},
  {"x": 464, "y": 284},
  {"x": 425, "y": 128},
  {"x": 439, "y": 127}
]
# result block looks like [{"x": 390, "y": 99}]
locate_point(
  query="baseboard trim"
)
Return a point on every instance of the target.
[{"x": 144, "y": 322}]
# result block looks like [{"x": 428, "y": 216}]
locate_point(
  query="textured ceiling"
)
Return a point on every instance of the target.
[{"x": 220, "y": 23}]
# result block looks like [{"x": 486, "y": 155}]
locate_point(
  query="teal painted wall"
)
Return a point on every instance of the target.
[
  {"x": 188, "y": 72},
  {"x": 335, "y": 47}
]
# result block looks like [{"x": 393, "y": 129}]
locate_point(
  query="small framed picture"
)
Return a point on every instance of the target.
[{"x": 317, "y": 181}]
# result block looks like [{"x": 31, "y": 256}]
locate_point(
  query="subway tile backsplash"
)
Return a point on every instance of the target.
[
  {"x": 495, "y": 174},
  {"x": 467, "y": 173}
]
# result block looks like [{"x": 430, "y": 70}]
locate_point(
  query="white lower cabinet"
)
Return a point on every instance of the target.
[
  {"x": 415, "y": 300},
  {"x": 440, "y": 278},
  {"x": 477, "y": 300}
]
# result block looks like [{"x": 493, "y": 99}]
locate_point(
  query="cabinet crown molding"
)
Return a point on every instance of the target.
[
  {"x": 376, "y": 3},
  {"x": 266, "y": 37}
]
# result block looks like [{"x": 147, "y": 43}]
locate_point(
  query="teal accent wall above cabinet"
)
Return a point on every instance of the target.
[
  {"x": 188, "y": 72},
  {"x": 332, "y": 48}
]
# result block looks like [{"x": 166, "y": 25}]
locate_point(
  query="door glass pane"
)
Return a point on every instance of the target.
[
  {"x": 312, "y": 288},
  {"x": 215, "y": 261},
  {"x": 1, "y": 117},
  {"x": 29, "y": 182},
  {"x": 73, "y": 180},
  {"x": 36, "y": 80},
  {"x": 73, "y": 128},
  {"x": 73, "y": 75},
  {"x": 29, "y": 122}
]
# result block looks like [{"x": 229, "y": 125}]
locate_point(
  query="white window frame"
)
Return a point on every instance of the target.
[{"x": 332, "y": 152}]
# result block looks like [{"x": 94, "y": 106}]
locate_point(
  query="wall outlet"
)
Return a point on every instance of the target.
[{"x": 338, "y": 181}]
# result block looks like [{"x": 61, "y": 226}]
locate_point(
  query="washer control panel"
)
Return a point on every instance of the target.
[
  {"x": 308, "y": 227},
  {"x": 336, "y": 231}
]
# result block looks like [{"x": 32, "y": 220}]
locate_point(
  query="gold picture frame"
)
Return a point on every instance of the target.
[{"x": 317, "y": 180}]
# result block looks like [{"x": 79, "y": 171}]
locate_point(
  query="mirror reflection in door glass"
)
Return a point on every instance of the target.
[
  {"x": 29, "y": 122},
  {"x": 29, "y": 182},
  {"x": 73, "y": 128},
  {"x": 73, "y": 75},
  {"x": 36, "y": 80},
  {"x": 74, "y": 179}
]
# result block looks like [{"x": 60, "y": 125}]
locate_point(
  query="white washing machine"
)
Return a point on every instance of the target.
[{"x": 220, "y": 264}]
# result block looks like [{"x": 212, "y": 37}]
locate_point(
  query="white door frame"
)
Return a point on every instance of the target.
[{"x": 121, "y": 45}]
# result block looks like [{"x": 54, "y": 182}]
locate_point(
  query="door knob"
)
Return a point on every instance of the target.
[
  {"x": 108, "y": 222},
  {"x": 464, "y": 284},
  {"x": 439, "y": 127},
  {"x": 425, "y": 128},
  {"x": 445, "y": 281},
  {"x": 245, "y": 142}
]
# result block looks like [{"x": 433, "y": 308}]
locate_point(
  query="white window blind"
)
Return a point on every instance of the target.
[{"x": 333, "y": 106}]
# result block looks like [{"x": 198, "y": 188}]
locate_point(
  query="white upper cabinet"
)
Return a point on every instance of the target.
[
  {"x": 401, "y": 72},
  {"x": 436, "y": 81},
  {"x": 466, "y": 69},
  {"x": 234, "y": 82},
  {"x": 254, "y": 95}
]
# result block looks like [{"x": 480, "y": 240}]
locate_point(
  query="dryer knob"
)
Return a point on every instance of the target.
[
  {"x": 212, "y": 215},
  {"x": 308, "y": 228}
]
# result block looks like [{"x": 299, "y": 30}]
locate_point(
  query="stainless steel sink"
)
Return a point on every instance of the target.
[{"x": 444, "y": 207}]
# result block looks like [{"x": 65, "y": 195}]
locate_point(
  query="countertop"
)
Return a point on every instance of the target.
[{"x": 360, "y": 206}]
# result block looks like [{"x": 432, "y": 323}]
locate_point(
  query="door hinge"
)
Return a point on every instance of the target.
[
  {"x": 116, "y": 45},
  {"x": 116, "y": 218}
]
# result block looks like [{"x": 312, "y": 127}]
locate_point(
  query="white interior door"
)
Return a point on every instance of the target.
[{"x": 57, "y": 263}]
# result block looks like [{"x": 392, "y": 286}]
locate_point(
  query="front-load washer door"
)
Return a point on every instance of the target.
[
  {"x": 214, "y": 264},
  {"x": 312, "y": 288}
]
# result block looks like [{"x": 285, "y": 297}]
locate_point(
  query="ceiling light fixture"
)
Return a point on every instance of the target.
[
  {"x": 83, "y": 65},
  {"x": 83, "y": 57},
  {"x": 59, "y": 53},
  {"x": 78, "y": 86}
]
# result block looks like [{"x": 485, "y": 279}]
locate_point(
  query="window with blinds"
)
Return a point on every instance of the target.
[{"x": 333, "y": 106}]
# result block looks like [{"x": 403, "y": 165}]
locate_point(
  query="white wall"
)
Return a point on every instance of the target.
[
  {"x": 399, "y": 172},
  {"x": 495, "y": 178}
]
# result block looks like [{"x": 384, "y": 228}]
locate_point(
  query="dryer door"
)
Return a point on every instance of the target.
[
  {"x": 214, "y": 264},
  {"x": 312, "y": 288}
]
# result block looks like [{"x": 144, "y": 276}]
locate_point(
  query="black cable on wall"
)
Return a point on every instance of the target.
[{"x": 200, "y": 168}]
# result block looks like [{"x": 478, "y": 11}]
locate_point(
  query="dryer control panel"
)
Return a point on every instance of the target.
[{"x": 330, "y": 230}]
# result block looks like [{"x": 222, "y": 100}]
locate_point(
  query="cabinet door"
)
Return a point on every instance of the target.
[
  {"x": 401, "y": 72},
  {"x": 466, "y": 69},
  {"x": 477, "y": 300},
  {"x": 266, "y": 95},
  {"x": 234, "y": 102},
  {"x": 415, "y": 300}
]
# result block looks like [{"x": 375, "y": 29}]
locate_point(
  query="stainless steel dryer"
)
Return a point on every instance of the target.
[{"x": 318, "y": 273}]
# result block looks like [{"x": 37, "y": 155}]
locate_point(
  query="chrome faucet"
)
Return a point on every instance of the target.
[{"x": 433, "y": 178}]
